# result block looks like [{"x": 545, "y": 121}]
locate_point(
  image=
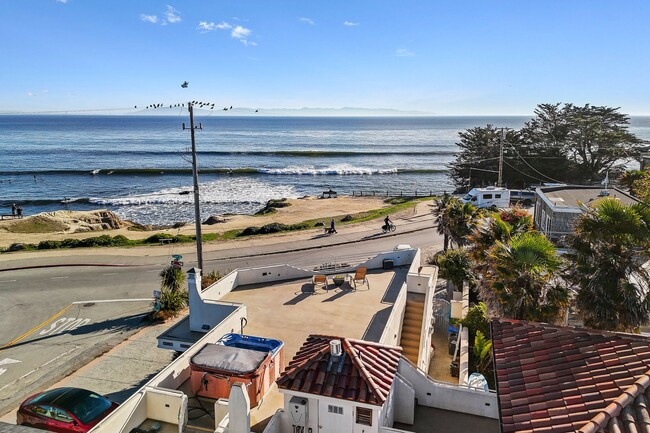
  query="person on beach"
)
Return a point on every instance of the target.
[
  {"x": 13, "y": 209},
  {"x": 19, "y": 212}
]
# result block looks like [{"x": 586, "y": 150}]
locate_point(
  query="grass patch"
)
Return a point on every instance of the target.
[{"x": 37, "y": 224}]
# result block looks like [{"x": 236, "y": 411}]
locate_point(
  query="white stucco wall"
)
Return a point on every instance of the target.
[
  {"x": 393, "y": 329},
  {"x": 313, "y": 416},
  {"x": 404, "y": 397},
  {"x": 448, "y": 396}
]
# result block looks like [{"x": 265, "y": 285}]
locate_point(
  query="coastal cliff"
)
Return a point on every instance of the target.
[{"x": 65, "y": 221}]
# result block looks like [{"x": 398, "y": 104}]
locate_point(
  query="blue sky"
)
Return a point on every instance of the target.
[{"x": 441, "y": 57}]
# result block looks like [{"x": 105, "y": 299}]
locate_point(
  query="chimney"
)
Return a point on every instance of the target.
[{"x": 336, "y": 349}]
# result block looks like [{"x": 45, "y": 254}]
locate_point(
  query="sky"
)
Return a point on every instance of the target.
[{"x": 451, "y": 57}]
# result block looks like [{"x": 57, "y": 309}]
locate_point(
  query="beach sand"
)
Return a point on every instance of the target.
[{"x": 302, "y": 209}]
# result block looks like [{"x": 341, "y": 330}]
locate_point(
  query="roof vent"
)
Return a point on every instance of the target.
[{"x": 336, "y": 349}]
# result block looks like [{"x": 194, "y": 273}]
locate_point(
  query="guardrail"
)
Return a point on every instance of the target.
[{"x": 416, "y": 193}]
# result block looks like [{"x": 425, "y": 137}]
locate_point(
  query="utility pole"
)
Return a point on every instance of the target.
[
  {"x": 195, "y": 175},
  {"x": 501, "y": 140}
]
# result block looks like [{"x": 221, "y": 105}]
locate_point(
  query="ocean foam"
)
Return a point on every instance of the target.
[
  {"x": 232, "y": 190},
  {"x": 337, "y": 169}
]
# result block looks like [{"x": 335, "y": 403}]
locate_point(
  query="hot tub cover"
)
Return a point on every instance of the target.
[{"x": 228, "y": 359}]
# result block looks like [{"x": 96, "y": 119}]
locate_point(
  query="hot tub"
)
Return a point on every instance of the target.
[{"x": 254, "y": 361}]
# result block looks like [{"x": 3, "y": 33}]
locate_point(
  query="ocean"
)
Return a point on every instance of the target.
[{"x": 143, "y": 163}]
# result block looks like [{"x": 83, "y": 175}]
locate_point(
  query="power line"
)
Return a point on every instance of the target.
[{"x": 533, "y": 168}]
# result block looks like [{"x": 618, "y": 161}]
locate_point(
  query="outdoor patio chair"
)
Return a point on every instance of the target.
[
  {"x": 319, "y": 280},
  {"x": 360, "y": 277}
]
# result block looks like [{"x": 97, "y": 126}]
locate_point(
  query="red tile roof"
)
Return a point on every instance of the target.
[
  {"x": 365, "y": 373},
  {"x": 559, "y": 379}
]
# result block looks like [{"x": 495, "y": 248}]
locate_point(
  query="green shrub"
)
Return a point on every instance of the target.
[
  {"x": 476, "y": 320},
  {"x": 249, "y": 231},
  {"x": 173, "y": 300},
  {"x": 49, "y": 245},
  {"x": 271, "y": 228},
  {"x": 155, "y": 238},
  {"x": 120, "y": 240},
  {"x": 212, "y": 277}
]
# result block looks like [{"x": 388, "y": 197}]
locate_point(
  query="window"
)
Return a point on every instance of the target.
[
  {"x": 335, "y": 409},
  {"x": 364, "y": 416},
  {"x": 497, "y": 195},
  {"x": 487, "y": 196},
  {"x": 61, "y": 415}
]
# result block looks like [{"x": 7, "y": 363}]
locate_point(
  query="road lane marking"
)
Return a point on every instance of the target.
[
  {"x": 8, "y": 281},
  {"x": 111, "y": 273},
  {"x": 107, "y": 301},
  {"x": 35, "y": 328},
  {"x": 37, "y": 368},
  {"x": 58, "y": 278}
]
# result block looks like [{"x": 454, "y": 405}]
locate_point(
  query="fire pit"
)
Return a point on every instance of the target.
[{"x": 338, "y": 280}]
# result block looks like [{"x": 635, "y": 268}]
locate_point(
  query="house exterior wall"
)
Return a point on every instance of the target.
[
  {"x": 554, "y": 222},
  {"x": 317, "y": 409}
]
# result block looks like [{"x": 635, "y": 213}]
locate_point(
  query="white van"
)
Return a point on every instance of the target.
[{"x": 490, "y": 197}]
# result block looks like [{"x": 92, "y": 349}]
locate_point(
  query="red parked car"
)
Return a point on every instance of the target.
[{"x": 65, "y": 410}]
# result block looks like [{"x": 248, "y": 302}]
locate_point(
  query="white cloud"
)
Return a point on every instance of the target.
[
  {"x": 306, "y": 20},
  {"x": 240, "y": 32},
  {"x": 350, "y": 23},
  {"x": 403, "y": 52},
  {"x": 40, "y": 92},
  {"x": 205, "y": 26},
  {"x": 172, "y": 15},
  {"x": 62, "y": 1},
  {"x": 149, "y": 18}
]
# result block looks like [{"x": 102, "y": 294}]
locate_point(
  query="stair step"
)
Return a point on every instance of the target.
[
  {"x": 414, "y": 306},
  {"x": 412, "y": 321},
  {"x": 406, "y": 343},
  {"x": 411, "y": 335}
]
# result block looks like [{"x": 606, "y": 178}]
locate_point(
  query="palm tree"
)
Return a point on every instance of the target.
[
  {"x": 630, "y": 178},
  {"x": 172, "y": 278},
  {"x": 440, "y": 205},
  {"x": 497, "y": 227},
  {"x": 461, "y": 219},
  {"x": 608, "y": 251},
  {"x": 520, "y": 279},
  {"x": 455, "y": 267}
]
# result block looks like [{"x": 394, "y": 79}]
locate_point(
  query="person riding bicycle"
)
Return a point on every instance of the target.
[{"x": 387, "y": 223}]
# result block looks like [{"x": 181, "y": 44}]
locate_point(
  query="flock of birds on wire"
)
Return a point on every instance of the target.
[{"x": 198, "y": 103}]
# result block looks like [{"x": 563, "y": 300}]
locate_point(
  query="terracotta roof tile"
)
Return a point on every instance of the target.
[
  {"x": 366, "y": 374},
  {"x": 558, "y": 379}
]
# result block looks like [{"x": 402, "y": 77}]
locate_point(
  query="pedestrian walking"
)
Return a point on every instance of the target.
[{"x": 13, "y": 209}]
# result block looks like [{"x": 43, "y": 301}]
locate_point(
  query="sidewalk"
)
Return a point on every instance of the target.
[{"x": 418, "y": 219}]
